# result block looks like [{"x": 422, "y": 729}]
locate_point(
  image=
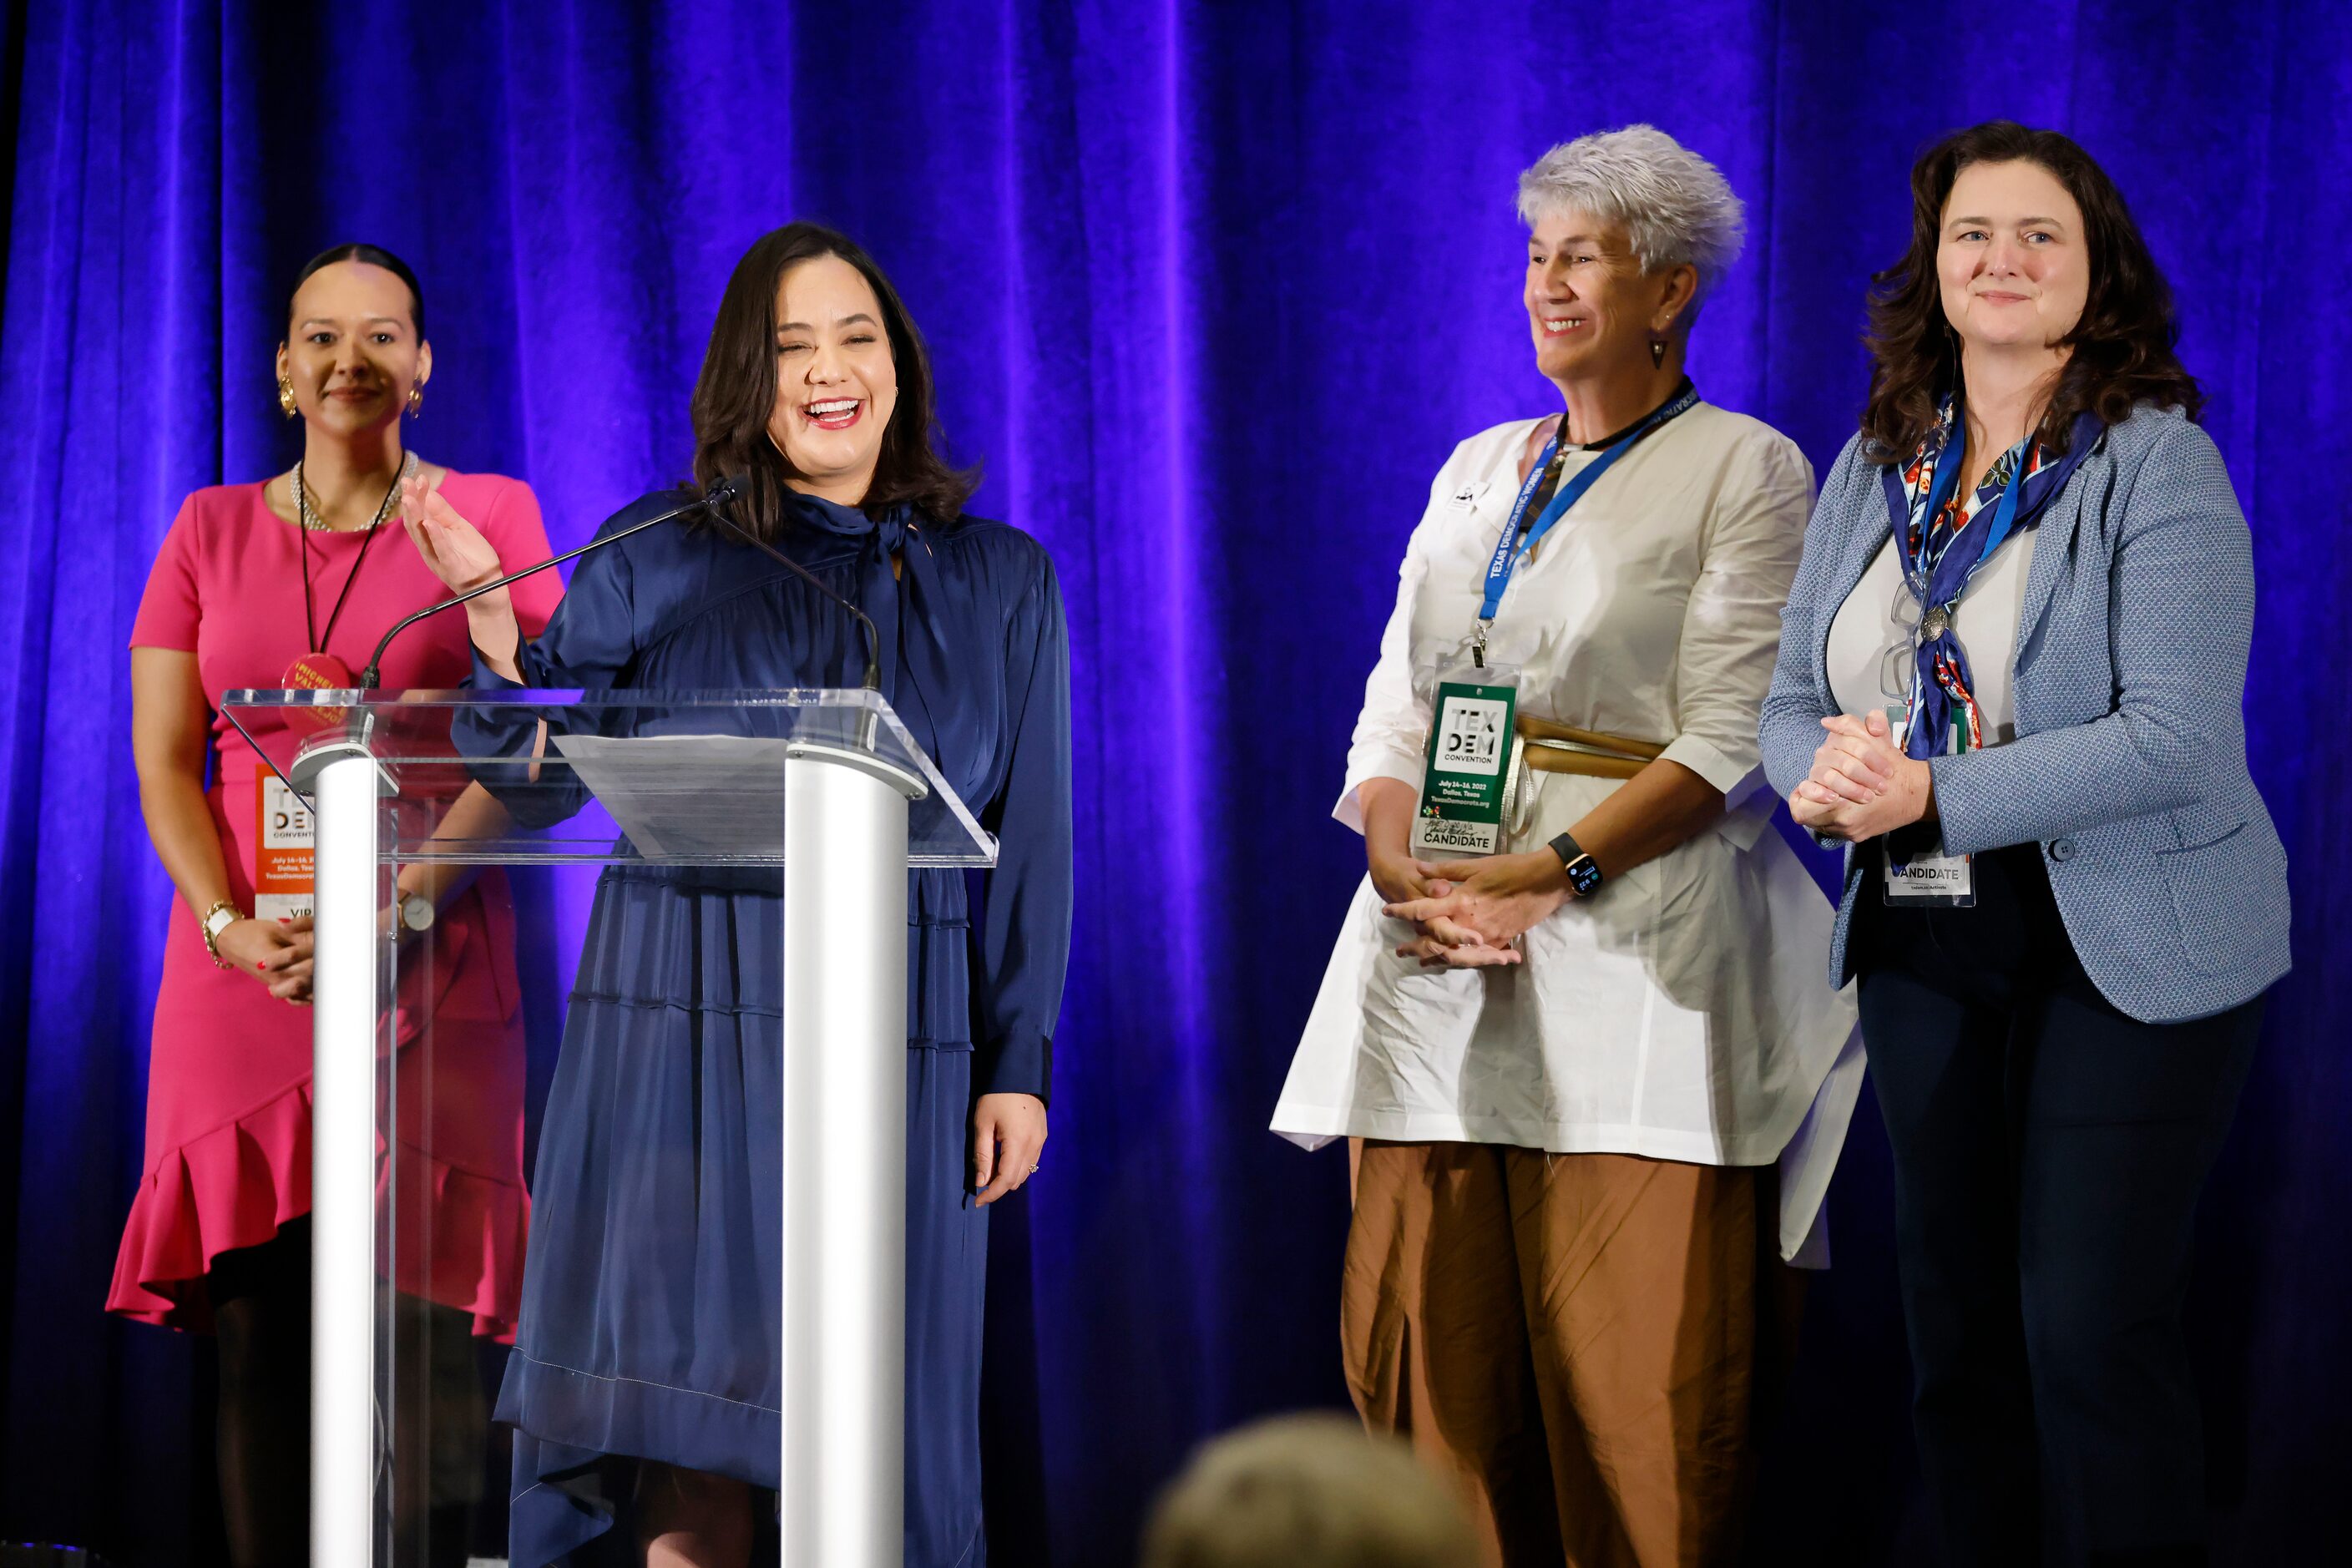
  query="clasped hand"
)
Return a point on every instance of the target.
[
  {"x": 1470, "y": 913},
  {"x": 276, "y": 953},
  {"x": 281, "y": 954},
  {"x": 1860, "y": 785}
]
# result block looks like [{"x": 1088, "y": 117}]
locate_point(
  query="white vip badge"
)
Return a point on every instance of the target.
[{"x": 285, "y": 845}]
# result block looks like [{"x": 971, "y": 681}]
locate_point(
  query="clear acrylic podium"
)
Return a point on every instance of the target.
[{"x": 826, "y": 787}]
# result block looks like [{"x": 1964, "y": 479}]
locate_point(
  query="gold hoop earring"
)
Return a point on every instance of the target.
[
  {"x": 415, "y": 400},
  {"x": 286, "y": 396}
]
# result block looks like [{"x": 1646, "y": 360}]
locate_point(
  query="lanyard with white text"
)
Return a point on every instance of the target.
[{"x": 1511, "y": 547}]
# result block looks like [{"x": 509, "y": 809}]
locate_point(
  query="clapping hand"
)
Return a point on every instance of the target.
[
  {"x": 453, "y": 548},
  {"x": 1860, "y": 785},
  {"x": 462, "y": 559}
]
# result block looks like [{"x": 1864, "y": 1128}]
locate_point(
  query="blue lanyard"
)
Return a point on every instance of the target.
[
  {"x": 1932, "y": 585},
  {"x": 1511, "y": 548}
]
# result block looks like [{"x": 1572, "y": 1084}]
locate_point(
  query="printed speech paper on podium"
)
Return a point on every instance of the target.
[{"x": 704, "y": 796}]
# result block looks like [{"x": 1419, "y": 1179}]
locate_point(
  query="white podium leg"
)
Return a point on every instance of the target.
[
  {"x": 844, "y": 1168},
  {"x": 342, "y": 1167}
]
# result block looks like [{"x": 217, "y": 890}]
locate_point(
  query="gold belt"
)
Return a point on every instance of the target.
[{"x": 1551, "y": 748}]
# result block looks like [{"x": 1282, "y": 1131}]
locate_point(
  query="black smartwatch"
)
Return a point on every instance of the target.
[{"x": 1583, "y": 871}]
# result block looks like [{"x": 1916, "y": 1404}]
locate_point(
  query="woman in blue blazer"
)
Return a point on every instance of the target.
[{"x": 2010, "y": 681}]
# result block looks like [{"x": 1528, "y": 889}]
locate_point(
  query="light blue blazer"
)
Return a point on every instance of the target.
[{"x": 2129, "y": 764}]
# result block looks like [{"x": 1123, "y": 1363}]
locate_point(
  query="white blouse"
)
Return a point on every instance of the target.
[
  {"x": 1865, "y": 630},
  {"x": 1680, "y": 1012}
]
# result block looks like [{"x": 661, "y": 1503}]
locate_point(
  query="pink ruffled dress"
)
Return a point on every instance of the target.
[{"x": 228, "y": 1089}]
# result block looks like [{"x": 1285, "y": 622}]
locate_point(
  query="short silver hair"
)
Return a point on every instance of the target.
[{"x": 1674, "y": 206}]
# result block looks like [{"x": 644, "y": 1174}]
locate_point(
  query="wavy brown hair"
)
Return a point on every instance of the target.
[
  {"x": 2122, "y": 349},
  {"x": 736, "y": 392}
]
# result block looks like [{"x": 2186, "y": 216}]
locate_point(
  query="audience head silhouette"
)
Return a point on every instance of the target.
[{"x": 1306, "y": 1492}]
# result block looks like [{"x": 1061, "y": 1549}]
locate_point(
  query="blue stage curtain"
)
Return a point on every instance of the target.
[{"x": 1211, "y": 291}]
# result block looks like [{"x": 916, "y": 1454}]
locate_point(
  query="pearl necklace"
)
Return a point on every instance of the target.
[{"x": 312, "y": 522}]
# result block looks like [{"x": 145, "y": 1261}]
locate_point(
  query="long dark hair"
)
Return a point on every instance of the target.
[
  {"x": 736, "y": 392},
  {"x": 2122, "y": 347},
  {"x": 374, "y": 256}
]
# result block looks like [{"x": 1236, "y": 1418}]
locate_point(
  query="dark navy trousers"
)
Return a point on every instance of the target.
[{"x": 2048, "y": 1154}]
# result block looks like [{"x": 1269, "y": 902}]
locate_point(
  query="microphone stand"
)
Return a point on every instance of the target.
[
  {"x": 868, "y": 723},
  {"x": 711, "y": 504}
]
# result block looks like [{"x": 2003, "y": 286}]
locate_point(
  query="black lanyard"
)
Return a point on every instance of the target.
[{"x": 309, "y": 616}]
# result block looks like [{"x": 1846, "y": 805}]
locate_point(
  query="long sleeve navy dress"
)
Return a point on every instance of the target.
[{"x": 649, "y": 1311}]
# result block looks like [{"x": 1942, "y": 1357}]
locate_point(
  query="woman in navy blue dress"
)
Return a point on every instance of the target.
[{"x": 644, "y": 1374}]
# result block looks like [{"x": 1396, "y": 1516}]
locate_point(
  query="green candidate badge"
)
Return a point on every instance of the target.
[{"x": 1463, "y": 786}]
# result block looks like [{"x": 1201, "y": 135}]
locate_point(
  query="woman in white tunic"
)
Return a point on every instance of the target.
[{"x": 1573, "y": 1062}]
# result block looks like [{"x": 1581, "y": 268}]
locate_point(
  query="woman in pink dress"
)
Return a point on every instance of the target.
[{"x": 290, "y": 582}]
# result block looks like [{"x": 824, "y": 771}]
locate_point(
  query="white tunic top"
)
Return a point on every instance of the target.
[{"x": 1680, "y": 1012}]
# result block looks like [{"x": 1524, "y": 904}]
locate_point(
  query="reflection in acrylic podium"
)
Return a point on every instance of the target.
[{"x": 829, "y": 786}]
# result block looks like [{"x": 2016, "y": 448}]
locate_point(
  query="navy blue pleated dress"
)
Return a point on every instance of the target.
[{"x": 650, "y": 1313}]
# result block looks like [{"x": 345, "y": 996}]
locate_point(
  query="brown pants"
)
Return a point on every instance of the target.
[{"x": 1572, "y": 1336}]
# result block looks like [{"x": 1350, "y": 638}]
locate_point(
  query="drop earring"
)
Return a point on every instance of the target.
[
  {"x": 1657, "y": 353},
  {"x": 417, "y": 400},
  {"x": 286, "y": 396}
]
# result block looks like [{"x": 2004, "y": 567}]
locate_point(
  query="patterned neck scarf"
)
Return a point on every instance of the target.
[{"x": 1943, "y": 538}]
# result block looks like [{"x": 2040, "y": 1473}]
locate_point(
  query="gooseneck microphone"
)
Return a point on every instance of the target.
[
  {"x": 873, "y": 682},
  {"x": 868, "y": 726},
  {"x": 717, "y": 496}
]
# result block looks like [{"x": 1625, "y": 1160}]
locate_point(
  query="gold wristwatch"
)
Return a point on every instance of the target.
[{"x": 217, "y": 920}]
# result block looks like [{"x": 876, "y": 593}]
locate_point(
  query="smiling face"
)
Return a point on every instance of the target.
[
  {"x": 836, "y": 384},
  {"x": 2010, "y": 259},
  {"x": 351, "y": 349},
  {"x": 1591, "y": 310}
]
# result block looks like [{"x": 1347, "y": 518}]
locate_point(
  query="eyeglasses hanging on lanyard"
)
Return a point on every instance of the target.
[
  {"x": 1937, "y": 577},
  {"x": 1929, "y": 580}
]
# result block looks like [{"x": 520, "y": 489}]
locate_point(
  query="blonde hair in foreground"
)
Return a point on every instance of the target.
[{"x": 1306, "y": 1492}]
